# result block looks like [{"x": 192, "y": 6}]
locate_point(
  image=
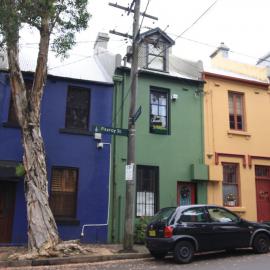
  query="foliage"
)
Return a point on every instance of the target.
[
  {"x": 66, "y": 17},
  {"x": 20, "y": 171},
  {"x": 140, "y": 229}
]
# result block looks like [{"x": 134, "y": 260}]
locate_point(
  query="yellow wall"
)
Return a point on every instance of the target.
[
  {"x": 257, "y": 72},
  {"x": 255, "y": 140}
]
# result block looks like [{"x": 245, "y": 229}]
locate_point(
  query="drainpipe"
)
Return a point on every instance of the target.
[{"x": 109, "y": 192}]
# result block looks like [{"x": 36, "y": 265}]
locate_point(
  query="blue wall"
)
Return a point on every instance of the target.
[{"x": 68, "y": 150}]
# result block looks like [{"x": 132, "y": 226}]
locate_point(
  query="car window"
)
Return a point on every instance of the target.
[
  {"x": 193, "y": 215},
  {"x": 163, "y": 214},
  {"x": 221, "y": 215}
]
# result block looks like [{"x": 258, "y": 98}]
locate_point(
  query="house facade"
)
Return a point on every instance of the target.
[
  {"x": 77, "y": 95},
  {"x": 170, "y": 166},
  {"x": 237, "y": 149}
]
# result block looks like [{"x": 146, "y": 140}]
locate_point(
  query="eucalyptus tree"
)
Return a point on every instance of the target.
[{"x": 57, "y": 22}]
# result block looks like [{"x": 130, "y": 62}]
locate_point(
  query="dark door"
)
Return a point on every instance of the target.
[
  {"x": 228, "y": 230},
  {"x": 263, "y": 192},
  {"x": 7, "y": 201},
  {"x": 186, "y": 194}
]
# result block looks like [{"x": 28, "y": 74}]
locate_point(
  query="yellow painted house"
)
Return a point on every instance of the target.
[{"x": 237, "y": 136}]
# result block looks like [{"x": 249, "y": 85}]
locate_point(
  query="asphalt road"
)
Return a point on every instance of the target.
[{"x": 240, "y": 260}]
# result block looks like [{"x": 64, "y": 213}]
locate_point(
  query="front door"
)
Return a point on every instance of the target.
[
  {"x": 7, "y": 201},
  {"x": 186, "y": 194},
  {"x": 263, "y": 192}
]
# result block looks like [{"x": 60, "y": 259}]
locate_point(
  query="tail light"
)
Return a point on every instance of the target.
[{"x": 168, "y": 231}]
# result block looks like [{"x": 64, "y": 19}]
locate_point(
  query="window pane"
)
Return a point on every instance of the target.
[
  {"x": 236, "y": 111},
  {"x": 77, "y": 113},
  {"x": 221, "y": 215},
  {"x": 146, "y": 186},
  {"x": 163, "y": 100},
  {"x": 231, "y": 109},
  {"x": 63, "y": 192},
  {"x": 162, "y": 111},
  {"x": 154, "y": 99},
  {"x": 155, "y": 62},
  {"x": 154, "y": 109}
]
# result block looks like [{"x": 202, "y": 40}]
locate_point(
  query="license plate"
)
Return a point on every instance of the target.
[{"x": 152, "y": 233}]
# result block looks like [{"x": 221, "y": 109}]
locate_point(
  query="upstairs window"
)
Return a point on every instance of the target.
[
  {"x": 159, "y": 111},
  {"x": 12, "y": 115},
  {"x": 77, "y": 111},
  {"x": 63, "y": 198},
  {"x": 230, "y": 184},
  {"x": 156, "y": 56},
  {"x": 236, "y": 111}
]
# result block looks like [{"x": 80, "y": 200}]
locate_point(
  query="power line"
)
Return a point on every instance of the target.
[{"x": 188, "y": 28}]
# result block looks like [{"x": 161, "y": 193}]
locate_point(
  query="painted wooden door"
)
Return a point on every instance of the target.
[
  {"x": 7, "y": 201},
  {"x": 263, "y": 193},
  {"x": 186, "y": 193}
]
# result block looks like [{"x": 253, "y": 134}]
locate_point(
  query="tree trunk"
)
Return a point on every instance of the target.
[{"x": 42, "y": 229}]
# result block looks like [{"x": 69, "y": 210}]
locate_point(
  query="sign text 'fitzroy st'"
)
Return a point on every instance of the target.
[{"x": 111, "y": 130}]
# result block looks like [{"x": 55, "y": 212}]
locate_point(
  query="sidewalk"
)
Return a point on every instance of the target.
[{"x": 96, "y": 253}]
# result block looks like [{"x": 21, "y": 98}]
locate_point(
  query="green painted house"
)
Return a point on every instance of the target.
[{"x": 170, "y": 167}]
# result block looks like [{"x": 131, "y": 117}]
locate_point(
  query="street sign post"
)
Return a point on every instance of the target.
[{"x": 110, "y": 130}]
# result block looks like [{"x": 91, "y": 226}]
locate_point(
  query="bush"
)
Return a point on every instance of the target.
[{"x": 140, "y": 228}]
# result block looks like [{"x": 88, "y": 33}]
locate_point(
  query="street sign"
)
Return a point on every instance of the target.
[
  {"x": 110, "y": 130},
  {"x": 137, "y": 114}
]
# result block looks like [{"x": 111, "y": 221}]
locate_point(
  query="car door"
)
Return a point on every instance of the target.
[
  {"x": 228, "y": 230},
  {"x": 194, "y": 223}
]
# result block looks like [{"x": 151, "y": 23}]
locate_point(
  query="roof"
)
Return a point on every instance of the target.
[
  {"x": 157, "y": 30},
  {"x": 88, "y": 68},
  {"x": 178, "y": 68},
  {"x": 233, "y": 75}
]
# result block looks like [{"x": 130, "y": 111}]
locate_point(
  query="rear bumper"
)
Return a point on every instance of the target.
[{"x": 160, "y": 244}]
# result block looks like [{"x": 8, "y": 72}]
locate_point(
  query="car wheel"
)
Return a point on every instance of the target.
[
  {"x": 158, "y": 254},
  {"x": 261, "y": 243},
  {"x": 183, "y": 252}
]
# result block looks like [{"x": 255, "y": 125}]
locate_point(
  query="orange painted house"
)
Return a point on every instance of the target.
[{"x": 237, "y": 136}]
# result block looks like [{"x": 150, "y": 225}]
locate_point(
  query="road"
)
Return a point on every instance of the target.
[{"x": 240, "y": 260}]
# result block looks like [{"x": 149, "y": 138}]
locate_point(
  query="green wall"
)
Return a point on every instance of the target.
[{"x": 176, "y": 154}]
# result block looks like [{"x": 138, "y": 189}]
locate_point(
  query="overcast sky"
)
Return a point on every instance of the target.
[{"x": 242, "y": 24}]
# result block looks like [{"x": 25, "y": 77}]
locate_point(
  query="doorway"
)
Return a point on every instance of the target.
[
  {"x": 7, "y": 204},
  {"x": 186, "y": 193}
]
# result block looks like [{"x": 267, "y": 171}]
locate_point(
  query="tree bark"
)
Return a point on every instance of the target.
[{"x": 42, "y": 229}]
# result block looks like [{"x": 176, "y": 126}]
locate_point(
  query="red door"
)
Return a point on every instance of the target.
[
  {"x": 186, "y": 193},
  {"x": 7, "y": 201},
  {"x": 263, "y": 192}
]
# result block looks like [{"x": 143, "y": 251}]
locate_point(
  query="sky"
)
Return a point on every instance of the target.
[{"x": 243, "y": 25}]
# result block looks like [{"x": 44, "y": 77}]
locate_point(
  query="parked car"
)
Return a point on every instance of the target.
[{"x": 197, "y": 228}]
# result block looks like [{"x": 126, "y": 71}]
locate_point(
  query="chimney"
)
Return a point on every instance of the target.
[
  {"x": 101, "y": 41},
  {"x": 222, "y": 49}
]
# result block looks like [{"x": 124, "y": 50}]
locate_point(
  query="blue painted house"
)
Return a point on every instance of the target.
[{"x": 78, "y": 94}]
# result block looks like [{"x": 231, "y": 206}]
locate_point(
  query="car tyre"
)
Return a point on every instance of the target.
[
  {"x": 158, "y": 255},
  {"x": 261, "y": 243},
  {"x": 183, "y": 252}
]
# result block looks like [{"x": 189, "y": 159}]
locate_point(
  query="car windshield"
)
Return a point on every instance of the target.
[{"x": 163, "y": 214}]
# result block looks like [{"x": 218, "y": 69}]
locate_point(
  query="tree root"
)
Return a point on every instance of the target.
[{"x": 63, "y": 249}]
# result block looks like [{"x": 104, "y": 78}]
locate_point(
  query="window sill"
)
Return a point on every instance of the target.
[
  {"x": 159, "y": 131},
  {"x": 67, "y": 221},
  {"x": 11, "y": 125},
  {"x": 240, "y": 133},
  {"x": 76, "y": 131}
]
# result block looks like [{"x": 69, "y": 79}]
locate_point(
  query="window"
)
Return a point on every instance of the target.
[
  {"x": 146, "y": 190},
  {"x": 63, "y": 197},
  {"x": 236, "y": 111},
  {"x": 221, "y": 215},
  {"x": 77, "y": 112},
  {"x": 12, "y": 115},
  {"x": 193, "y": 215},
  {"x": 159, "y": 111},
  {"x": 156, "y": 56},
  {"x": 230, "y": 185}
]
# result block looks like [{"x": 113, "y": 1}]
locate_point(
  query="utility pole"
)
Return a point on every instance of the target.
[{"x": 131, "y": 182}]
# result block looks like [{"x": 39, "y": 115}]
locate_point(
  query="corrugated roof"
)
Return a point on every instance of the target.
[{"x": 75, "y": 66}]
